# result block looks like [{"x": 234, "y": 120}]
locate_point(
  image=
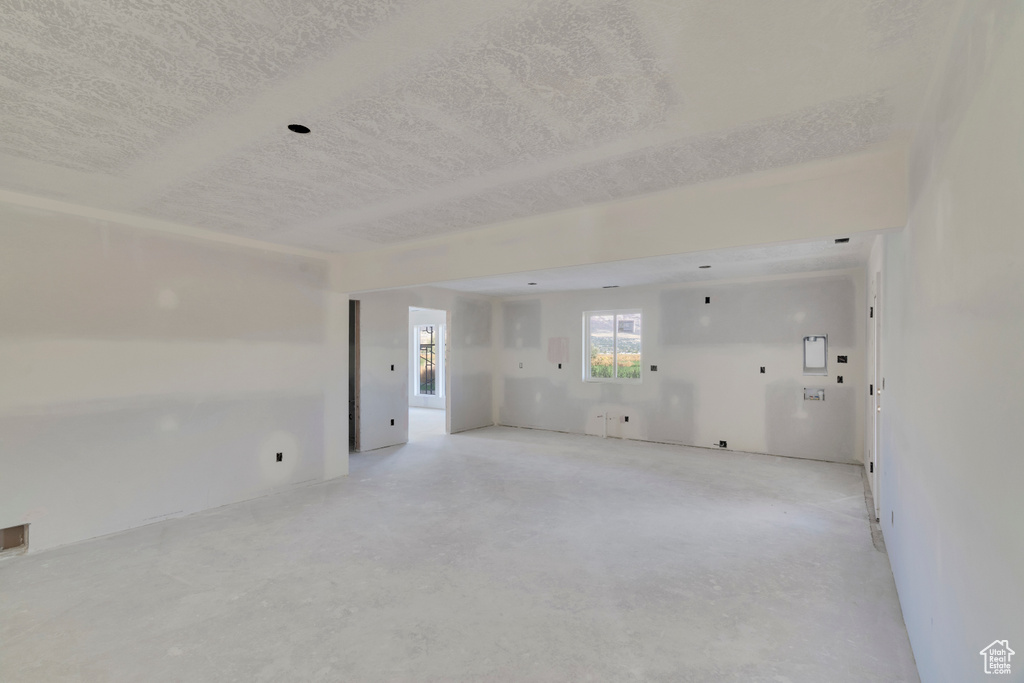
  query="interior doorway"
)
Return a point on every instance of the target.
[
  {"x": 428, "y": 364},
  {"x": 353, "y": 376},
  {"x": 877, "y": 385}
]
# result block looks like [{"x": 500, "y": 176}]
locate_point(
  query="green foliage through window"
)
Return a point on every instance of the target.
[{"x": 614, "y": 346}]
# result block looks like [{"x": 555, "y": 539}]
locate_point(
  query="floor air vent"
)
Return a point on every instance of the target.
[{"x": 14, "y": 540}]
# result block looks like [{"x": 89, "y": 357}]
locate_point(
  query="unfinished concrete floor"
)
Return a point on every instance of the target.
[
  {"x": 425, "y": 422},
  {"x": 493, "y": 555}
]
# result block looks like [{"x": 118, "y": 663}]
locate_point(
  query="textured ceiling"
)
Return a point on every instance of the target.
[
  {"x": 726, "y": 264},
  {"x": 435, "y": 117}
]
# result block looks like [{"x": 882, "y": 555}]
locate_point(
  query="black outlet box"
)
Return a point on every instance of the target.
[
  {"x": 722, "y": 444},
  {"x": 654, "y": 368},
  {"x": 840, "y": 359},
  {"x": 280, "y": 457},
  {"x": 392, "y": 422},
  {"x": 839, "y": 379}
]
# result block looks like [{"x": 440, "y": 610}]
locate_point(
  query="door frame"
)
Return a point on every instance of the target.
[
  {"x": 447, "y": 372},
  {"x": 353, "y": 376},
  {"x": 876, "y": 403}
]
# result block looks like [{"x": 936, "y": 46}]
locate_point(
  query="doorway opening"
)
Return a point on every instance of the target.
[
  {"x": 428, "y": 363},
  {"x": 353, "y": 376}
]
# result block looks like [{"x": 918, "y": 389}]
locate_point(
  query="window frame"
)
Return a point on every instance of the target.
[
  {"x": 439, "y": 347},
  {"x": 614, "y": 379}
]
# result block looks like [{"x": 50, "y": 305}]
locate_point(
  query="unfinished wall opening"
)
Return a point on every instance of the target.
[
  {"x": 816, "y": 354},
  {"x": 14, "y": 539},
  {"x": 613, "y": 346},
  {"x": 428, "y": 344}
]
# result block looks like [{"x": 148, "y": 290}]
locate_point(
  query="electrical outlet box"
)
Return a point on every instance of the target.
[
  {"x": 654, "y": 368},
  {"x": 392, "y": 422},
  {"x": 762, "y": 369},
  {"x": 392, "y": 367},
  {"x": 559, "y": 366},
  {"x": 520, "y": 366},
  {"x": 707, "y": 299},
  {"x": 839, "y": 379},
  {"x": 280, "y": 457},
  {"x": 841, "y": 359},
  {"x": 626, "y": 418},
  {"x": 722, "y": 444}
]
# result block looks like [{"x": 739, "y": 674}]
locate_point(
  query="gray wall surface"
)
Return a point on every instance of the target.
[
  {"x": 147, "y": 375},
  {"x": 951, "y": 458},
  {"x": 708, "y": 386}
]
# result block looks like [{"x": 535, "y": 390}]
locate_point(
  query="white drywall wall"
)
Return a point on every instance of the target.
[
  {"x": 837, "y": 197},
  {"x": 384, "y": 341},
  {"x": 438, "y": 319},
  {"x": 147, "y": 375},
  {"x": 953, "y": 285},
  {"x": 708, "y": 386}
]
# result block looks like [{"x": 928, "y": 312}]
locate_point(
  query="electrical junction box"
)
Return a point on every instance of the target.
[{"x": 814, "y": 394}]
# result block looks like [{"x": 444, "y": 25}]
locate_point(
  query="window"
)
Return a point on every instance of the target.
[
  {"x": 427, "y": 339},
  {"x": 612, "y": 346}
]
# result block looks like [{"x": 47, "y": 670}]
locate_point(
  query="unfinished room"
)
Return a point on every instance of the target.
[{"x": 511, "y": 340}]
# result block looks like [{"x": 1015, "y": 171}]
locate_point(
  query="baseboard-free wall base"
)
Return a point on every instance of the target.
[
  {"x": 685, "y": 445},
  {"x": 287, "y": 488}
]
